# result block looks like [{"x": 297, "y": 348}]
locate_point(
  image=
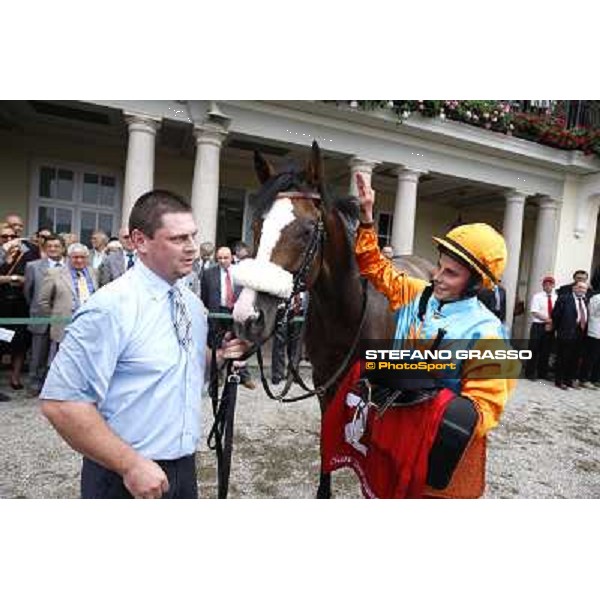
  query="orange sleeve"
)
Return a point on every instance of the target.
[
  {"x": 397, "y": 286},
  {"x": 489, "y": 383}
]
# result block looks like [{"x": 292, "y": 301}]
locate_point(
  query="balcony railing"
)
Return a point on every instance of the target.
[
  {"x": 577, "y": 114},
  {"x": 562, "y": 124}
]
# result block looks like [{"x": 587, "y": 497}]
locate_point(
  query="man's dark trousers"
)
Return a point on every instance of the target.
[{"x": 99, "y": 482}]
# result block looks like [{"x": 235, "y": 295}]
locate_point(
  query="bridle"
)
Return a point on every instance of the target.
[
  {"x": 284, "y": 315},
  {"x": 221, "y": 434}
]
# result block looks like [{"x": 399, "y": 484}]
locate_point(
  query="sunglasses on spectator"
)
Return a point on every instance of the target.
[{"x": 8, "y": 236}]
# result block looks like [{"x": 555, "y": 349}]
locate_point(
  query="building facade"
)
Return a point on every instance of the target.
[{"x": 78, "y": 166}]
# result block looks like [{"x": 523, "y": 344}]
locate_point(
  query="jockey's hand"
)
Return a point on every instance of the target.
[{"x": 366, "y": 198}]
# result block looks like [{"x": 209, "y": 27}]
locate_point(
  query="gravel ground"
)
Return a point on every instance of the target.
[{"x": 547, "y": 446}]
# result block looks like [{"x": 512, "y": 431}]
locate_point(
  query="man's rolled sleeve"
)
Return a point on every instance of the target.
[{"x": 85, "y": 363}]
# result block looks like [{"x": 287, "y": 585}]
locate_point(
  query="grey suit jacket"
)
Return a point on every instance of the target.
[
  {"x": 111, "y": 268},
  {"x": 34, "y": 276},
  {"x": 56, "y": 297}
]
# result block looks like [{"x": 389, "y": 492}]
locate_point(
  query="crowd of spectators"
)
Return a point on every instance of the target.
[{"x": 51, "y": 275}]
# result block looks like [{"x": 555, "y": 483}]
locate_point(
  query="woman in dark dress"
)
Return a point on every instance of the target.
[{"x": 12, "y": 301}]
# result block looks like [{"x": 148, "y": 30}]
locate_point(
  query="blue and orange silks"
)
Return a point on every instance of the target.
[{"x": 464, "y": 319}]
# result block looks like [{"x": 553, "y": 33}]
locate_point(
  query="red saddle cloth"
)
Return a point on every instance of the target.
[{"x": 388, "y": 452}]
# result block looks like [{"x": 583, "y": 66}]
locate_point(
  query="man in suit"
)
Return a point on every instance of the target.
[
  {"x": 35, "y": 272},
  {"x": 98, "y": 240},
  {"x": 116, "y": 263},
  {"x": 570, "y": 318},
  {"x": 579, "y": 275},
  {"x": 194, "y": 279},
  {"x": 495, "y": 301},
  {"x": 219, "y": 293},
  {"x": 65, "y": 289}
]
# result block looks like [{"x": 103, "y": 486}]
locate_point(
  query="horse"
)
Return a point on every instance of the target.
[{"x": 304, "y": 239}]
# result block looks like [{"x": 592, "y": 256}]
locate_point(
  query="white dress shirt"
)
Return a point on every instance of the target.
[
  {"x": 594, "y": 316},
  {"x": 539, "y": 304}
]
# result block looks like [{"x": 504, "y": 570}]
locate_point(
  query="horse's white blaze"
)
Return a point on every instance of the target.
[
  {"x": 260, "y": 274},
  {"x": 280, "y": 215}
]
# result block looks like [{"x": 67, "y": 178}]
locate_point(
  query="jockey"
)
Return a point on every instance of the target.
[{"x": 471, "y": 257}]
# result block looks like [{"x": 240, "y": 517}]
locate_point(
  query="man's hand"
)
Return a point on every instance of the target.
[
  {"x": 233, "y": 348},
  {"x": 145, "y": 479},
  {"x": 12, "y": 247},
  {"x": 366, "y": 198}
]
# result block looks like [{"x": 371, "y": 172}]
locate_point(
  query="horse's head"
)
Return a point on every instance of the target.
[{"x": 289, "y": 226}]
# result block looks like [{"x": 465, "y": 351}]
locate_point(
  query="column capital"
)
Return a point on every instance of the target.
[
  {"x": 362, "y": 164},
  {"x": 140, "y": 122},
  {"x": 407, "y": 174},
  {"x": 547, "y": 203},
  {"x": 210, "y": 133},
  {"x": 515, "y": 196}
]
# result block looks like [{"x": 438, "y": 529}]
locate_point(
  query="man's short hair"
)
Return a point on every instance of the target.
[
  {"x": 53, "y": 238},
  {"x": 102, "y": 234},
  {"x": 580, "y": 271},
  {"x": 79, "y": 248},
  {"x": 146, "y": 214}
]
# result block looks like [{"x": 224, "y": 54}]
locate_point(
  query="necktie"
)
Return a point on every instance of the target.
[
  {"x": 229, "y": 298},
  {"x": 129, "y": 260},
  {"x": 82, "y": 288},
  {"x": 181, "y": 319},
  {"x": 549, "y": 305},
  {"x": 582, "y": 317}
]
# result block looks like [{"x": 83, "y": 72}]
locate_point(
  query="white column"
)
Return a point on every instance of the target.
[
  {"x": 360, "y": 165},
  {"x": 205, "y": 186},
  {"x": 513, "y": 233},
  {"x": 405, "y": 208},
  {"x": 544, "y": 246},
  {"x": 139, "y": 166}
]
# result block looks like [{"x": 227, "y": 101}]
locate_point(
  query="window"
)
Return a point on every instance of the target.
[
  {"x": 74, "y": 199},
  {"x": 384, "y": 228}
]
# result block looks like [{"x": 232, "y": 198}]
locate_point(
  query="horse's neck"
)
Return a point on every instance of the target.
[{"x": 336, "y": 297}]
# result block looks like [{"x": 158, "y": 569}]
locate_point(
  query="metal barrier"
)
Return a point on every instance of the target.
[{"x": 51, "y": 320}]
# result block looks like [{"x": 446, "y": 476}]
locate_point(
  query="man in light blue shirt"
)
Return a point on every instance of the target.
[{"x": 125, "y": 386}]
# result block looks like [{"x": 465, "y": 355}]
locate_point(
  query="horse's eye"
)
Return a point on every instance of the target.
[{"x": 307, "y": 229}]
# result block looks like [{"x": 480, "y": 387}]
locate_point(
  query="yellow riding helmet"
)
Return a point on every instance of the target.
[{"x": 481, "y": 247}]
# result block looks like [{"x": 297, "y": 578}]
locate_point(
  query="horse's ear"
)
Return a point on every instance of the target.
[
  {"x": 314, "y": 167},
  {"x": 264, "y": 169}
]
